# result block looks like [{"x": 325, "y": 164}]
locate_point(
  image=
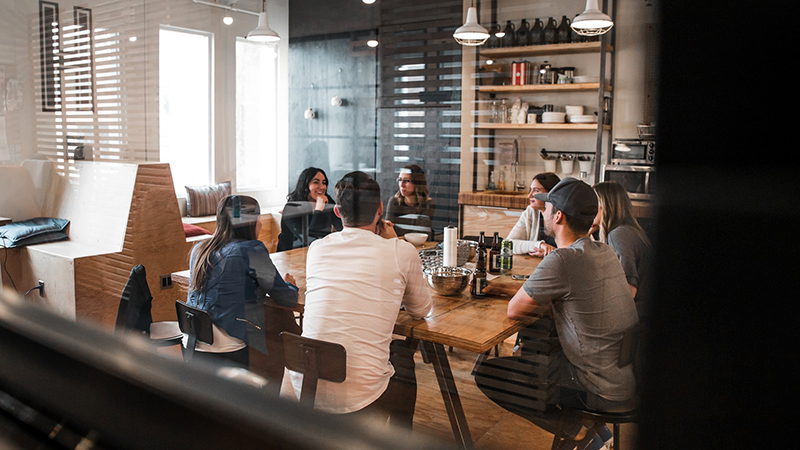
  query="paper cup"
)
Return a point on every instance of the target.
[{"x": 550, "y": 165}]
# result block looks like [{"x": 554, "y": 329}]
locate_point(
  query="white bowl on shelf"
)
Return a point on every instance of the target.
[
  {"x": 583, "y": 119},
  {"x": 585, "y": 79},
  {"x": 573, "y": 110},
  {"x": 554, "y": 117}
]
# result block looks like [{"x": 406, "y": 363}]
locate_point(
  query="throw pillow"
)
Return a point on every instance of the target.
[
  {"x": 33, "y": 231},
  {"x": 193, "y": 230},
  {"x": 203, "y": 200}
]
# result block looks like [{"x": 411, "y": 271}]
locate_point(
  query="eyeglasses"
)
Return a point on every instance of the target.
[{"x": 404, "y": 180}]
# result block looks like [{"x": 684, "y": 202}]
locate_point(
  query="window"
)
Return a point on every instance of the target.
[
  {"x": 256, "y": 116},
  {"x": 185, "y": 82}
]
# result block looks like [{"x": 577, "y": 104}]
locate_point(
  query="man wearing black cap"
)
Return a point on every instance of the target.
[{"x": 583, "y": 283}]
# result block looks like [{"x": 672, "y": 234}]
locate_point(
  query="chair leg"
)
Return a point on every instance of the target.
[
  {"x": 615, "y": 438},
  {"x": 559, "y": 430}
]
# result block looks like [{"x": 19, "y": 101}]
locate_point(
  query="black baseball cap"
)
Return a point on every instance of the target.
[{"x": 573, "y": 197}]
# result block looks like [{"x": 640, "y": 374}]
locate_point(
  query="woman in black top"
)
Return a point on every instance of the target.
[
  {"x": 410, "y": 209},
  {"x": 309, "y": 201}
]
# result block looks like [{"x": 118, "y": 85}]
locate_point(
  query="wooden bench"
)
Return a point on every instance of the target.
[{"x": 121, "y": 214}]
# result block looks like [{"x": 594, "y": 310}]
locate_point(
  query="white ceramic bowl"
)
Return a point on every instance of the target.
[
  {"x": 583, "y": 119},
  {"x": 585, "y": 79},
  {"x": 416, "y": 238},
  {"x": 553, "y": 117},
  {"x": 574, "y": 110}
]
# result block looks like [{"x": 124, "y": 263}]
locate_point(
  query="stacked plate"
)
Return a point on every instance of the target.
[
  {"x": 585, "y": 79},
  {"x": 554, "y": 117},
  {"x": 591, "y": 118}
]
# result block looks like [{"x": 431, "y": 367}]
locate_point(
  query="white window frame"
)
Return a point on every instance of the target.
[{"x": 180, "y": 190}]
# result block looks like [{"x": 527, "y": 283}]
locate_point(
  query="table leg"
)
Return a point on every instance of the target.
[{"x": 447, "y": 385}]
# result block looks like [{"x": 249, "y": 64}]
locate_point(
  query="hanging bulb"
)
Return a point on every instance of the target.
[
  {"x": 471, "y": 33},
  {"x": 227, "y": 20},
  {"x": 263, "y": 33},
  {"x": 592, "y": 22}
]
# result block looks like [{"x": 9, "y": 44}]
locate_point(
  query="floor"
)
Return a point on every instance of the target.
[{"x": 491, "y": 426}]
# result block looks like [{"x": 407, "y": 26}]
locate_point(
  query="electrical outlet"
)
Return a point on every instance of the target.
[
  {"x": 41, "y": 288},
  {"x": 166, "y": 281}
]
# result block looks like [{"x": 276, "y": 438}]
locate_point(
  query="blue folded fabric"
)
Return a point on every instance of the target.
[{"x": 33, "y": 231}]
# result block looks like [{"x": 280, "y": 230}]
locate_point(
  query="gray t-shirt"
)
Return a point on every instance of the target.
[
  {"x": 634, "y": 255},
  {"x": 592, "y": 308}
]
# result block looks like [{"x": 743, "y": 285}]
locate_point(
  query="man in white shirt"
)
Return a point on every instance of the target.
[{"x": 356, "y": 282}]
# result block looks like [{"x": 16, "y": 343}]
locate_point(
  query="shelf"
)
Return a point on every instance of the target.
[
  {"x": 548, "y": 49},
  {"x": 544, "y": 88},
  {"x": 539, "y": 126}
]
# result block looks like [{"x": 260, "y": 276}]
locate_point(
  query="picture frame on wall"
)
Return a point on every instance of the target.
[{"x": 49, "y": 26}]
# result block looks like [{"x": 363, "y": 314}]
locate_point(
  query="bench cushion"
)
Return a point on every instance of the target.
[
  {"x": 193, "y": 230},
  {"x": 33, "y": 231},
  {"x": 203, "y": 200}
]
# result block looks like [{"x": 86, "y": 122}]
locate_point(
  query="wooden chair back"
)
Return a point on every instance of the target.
[{"x": 316, "y": 360}]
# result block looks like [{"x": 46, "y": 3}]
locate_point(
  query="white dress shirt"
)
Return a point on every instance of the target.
[{"x": 355, "y": 284}]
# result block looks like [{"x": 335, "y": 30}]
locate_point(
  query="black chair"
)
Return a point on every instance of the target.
[
  {"x": 629, "y": 353},
  {"x": 197, "y": 324},
  {"x": 316, "y": 360},
  {"x": 134, "y": 312}
]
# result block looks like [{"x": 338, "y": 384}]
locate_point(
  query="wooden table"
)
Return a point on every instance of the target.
[{"x": 461, "y": 321}]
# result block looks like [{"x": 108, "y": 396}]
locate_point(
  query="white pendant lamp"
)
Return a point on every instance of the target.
[
  {"x": 263, "y": 33},
  {"x": 592, "y": 22},
  {"x": 471, "y": 33}
]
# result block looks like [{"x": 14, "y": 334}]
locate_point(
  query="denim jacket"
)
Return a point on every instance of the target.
[{"x": 241, "y": 272}]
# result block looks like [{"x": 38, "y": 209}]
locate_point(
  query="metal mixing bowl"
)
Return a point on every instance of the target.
[{"x": 447, "y": 280}]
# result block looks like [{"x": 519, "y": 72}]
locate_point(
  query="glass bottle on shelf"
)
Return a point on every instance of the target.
[
  {"x": 536, "y": 34},
  {"x": 494, "y": 117},
  {"x": 574, "y": 36},
  {"x": 550, "y": 32},
  {"x": 564, "y": 31},
  {"x": 502, "y": 113},
  {"x": 494, "y": 40},
  {"x": 522, "y": 32},
  {"x": 510, "y": 36}
]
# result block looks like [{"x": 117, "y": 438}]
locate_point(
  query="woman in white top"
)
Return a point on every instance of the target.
[{"x": 528, "y": 234}]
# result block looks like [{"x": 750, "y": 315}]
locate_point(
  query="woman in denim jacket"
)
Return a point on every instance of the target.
[{"x": 231, "y": 273}]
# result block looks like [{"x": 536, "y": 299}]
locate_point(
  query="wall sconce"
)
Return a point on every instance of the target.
[
  {"x": 336, "y": 101},
  {"x": 309, "y": 114}
]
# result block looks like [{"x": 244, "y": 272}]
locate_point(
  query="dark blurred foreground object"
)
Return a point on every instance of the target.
[{"x": 64, "y": 382}]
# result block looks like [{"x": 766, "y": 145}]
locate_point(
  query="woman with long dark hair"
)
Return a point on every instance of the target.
[
  {"x": 410, "y": 209},
  {"x": 621, "y": 231},
  {"x": 528, "y": 235},
  {"x": 230, "y": 275},
  {"x": 310, "y": 204}
]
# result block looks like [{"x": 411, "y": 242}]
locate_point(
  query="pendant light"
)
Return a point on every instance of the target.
[
  {"x": 471, "y": 33},
  {"x": 263, "y": 33},
  {"x": 592, "y": 22}
]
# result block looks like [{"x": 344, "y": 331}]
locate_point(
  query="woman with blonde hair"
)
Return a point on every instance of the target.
[
  {"x": 620, "y": 230},
  {"x": 410, "y": 209},
  {"x": 230, "y": 275}
]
